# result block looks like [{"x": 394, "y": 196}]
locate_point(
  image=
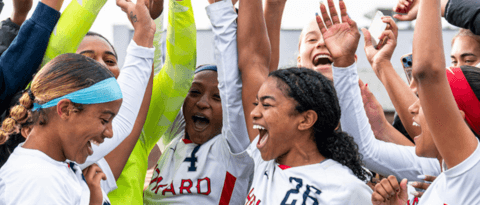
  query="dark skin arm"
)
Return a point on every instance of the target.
[
  {"x": 253, "y": 55},
  {"x": 20, "y": 11},
  {"x": 273, "y": 18}
]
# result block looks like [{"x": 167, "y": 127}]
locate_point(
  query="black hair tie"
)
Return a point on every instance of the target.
[{"x": 30, "y": 94}]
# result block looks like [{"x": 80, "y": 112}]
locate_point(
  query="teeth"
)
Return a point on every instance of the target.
[
  {"x": 415, "y": 124},
  {"x": 258, "y": 127},
  {"x": 94, "y": 142},
  {"x": 322, "y": 56}
]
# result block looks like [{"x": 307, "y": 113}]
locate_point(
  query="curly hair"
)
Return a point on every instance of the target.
[
  {"x": 313, "y": 91},
  {"x": 65, "y": 74}
]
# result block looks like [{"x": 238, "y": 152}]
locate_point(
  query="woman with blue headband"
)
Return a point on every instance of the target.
[{"x": 71, "y": 104}]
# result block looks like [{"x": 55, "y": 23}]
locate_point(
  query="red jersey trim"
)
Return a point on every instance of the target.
[
  {"x": 227, "y": 191},
  {"x": 187, "y": 141},
  {"x": 283, "y": 167}
]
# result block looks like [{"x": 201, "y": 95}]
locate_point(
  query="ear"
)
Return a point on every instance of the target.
[
  {"x": 26, "y": 131},
  {"x": 462, "y": 113},
  {"x": 308, "y": 119},
  {"x": 299, "y": 60},
  {"x": 64, "y": 108}
]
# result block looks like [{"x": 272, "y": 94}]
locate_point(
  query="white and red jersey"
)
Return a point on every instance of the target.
[
  {"x": 327, "y": 182},
  {"x": 218, "y": 171}
]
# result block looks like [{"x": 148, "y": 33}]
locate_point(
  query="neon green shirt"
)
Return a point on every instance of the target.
[{"x": 170, "y": 87}]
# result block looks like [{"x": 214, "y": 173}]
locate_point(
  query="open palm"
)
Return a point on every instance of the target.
[{"x": 341, "y": 39}]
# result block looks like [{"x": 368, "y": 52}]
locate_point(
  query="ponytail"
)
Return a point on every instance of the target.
[{"x": 19, "y": 114}]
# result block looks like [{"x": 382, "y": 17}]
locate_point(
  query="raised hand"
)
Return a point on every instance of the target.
[
  {"x": 374, "y": 111},
  {"x": 139, "y": 16},
  {"x": 93, "y": 174},
  {"x": 389, "y": 192},
  {"x": 384, "y": 53},
  {"x": 340, "y": 38},
  {"x": 156, "y": 8},
  {"x": 408, "y": 10}
]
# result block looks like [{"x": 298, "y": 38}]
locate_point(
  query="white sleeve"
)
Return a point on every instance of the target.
[
  {"x": 224, "y": 26},
  {"x": 133, "y": 80},
  {"x": 378, "y": 156}
]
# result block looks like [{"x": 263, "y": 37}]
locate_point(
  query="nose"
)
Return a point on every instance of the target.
[
  {"x": 255, "y": 114},
  {"x": 320, "y": 42},
  {"x": 108, "y": 132},
  {"x": 414, "y": 108},
  {"x": 202, "y": 103}
]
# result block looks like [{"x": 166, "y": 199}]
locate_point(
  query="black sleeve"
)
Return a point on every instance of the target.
[
  {"x": 464, "y": 14},
  {"x": 8, "y": 32}
]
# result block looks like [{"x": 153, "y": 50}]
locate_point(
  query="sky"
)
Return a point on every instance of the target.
[{"x": 297, "y": 13}]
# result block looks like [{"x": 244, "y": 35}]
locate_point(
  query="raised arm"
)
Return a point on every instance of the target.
[
  {"x": 398, "y": 91},
  {"x": 452, "y": 136},
  {"x": 22, "y": 59},
  {"x": 74, "y": 23},
  {"x": 222, "y": 16},
  {"x": 253, "y": 55},
  {"x": 273, "y": 18},
  {"x": 381, "y": 157},
  {"x": 170, "y": 86}
]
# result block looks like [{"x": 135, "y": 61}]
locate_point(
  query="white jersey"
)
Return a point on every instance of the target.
[
  {"x": 218, "y": 171},
  {"x": 457, "y": 185},
  {"x": 327, "y": 182},
  {"x": 31, "y": 177}
]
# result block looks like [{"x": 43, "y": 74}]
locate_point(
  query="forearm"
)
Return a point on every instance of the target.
[
  {"x": 75, "y": 22},
  {"x": 273, "y": 18},
  {"x": 23, "y": 57},
  {"x": 171, "y": 84},
  {"x": 253, "y": 55},
  {"x": 222, "y": 16},
  {"x": 390, "y": 134},
  {"x": 119, "y": 156},
  {"x": 462, "y": 13},
  {"x": 400, "y": 95},
  {"x": 133, "y": 81}
]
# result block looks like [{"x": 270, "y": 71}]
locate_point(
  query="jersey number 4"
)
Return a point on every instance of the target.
[
  {"x": 306, "y": 194},
  {"x": 192, "y": 159}
]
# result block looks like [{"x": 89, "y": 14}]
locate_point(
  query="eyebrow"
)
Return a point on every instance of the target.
[
  {"x": 310, "y": 33},
  {"x": 92, "y": 52},
  {"x": 109, "y": 112},
  {"x": 466, "y": 54},
  {"x": 266, "y": 97}
]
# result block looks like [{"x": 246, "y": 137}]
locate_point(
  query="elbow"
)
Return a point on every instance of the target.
[{"x": 422, "y": 71}]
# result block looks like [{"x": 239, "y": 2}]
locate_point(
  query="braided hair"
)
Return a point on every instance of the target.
[{"x": 313, "y": 91}]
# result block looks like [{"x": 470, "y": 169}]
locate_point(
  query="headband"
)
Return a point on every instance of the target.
[
  {"x": 466, "y": 99},
  {"x": 207, "y": 67},
  {"x": 104, "y": 91}
]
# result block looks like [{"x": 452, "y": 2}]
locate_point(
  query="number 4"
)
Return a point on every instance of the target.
[{"x": 192, "y": 159}]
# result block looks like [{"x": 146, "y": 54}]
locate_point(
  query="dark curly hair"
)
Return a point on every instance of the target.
[{"x": 313, "y": 91}]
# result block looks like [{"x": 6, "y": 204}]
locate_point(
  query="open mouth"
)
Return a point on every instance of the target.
[
  {"x": 263, "y": 136},
  {"x": 89, "y": 147},
  {"x": 322, "y": 59},
  {"x": 200, "y": 122}
]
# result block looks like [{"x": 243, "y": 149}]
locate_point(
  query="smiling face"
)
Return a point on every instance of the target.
[
  {"x": 98, "y": 49},
  {"x": 91, "y": 125},
  {"x": 313, "y": 52},
  {"x": 465, "y": 51},
  {"x": 202, "y": 108},
  {"x": 276, "y": 119}
]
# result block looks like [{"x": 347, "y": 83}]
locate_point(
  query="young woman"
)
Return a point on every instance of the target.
[
  {"x": 207, "y": 163},
  {"x": 66, "y": 120},
  {"x": 320, "y": 165}
]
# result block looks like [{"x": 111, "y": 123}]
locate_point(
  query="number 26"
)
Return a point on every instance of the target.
[{"x": 296, "y": 191}]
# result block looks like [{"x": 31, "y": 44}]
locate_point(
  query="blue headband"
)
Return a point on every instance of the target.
[
  {"x": 207, "y": 67},
  {"x": 104, "y": 91}
]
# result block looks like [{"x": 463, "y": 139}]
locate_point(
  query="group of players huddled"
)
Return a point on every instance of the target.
[{"x": 78, "y": 130}]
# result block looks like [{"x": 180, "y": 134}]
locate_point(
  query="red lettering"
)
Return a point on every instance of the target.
[
  {"x": 171, "y": 190},
  {"x": 208, "y": 186},
  {"x": 248, "y": 196},
  {"x": 415, "y": 201},
  {"x": 183, "y": 187},
  {"x": 251, "y": 198},
  {"x": 157, "y": 186}
]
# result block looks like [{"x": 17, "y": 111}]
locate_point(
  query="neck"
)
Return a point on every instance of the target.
[
  {"x": 303, "y": 152},
  {"x": 41, "y": 138}
]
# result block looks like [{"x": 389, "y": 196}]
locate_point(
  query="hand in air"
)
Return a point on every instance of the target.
[
  {"x": 374, "y": 111},
  {"x": 155, "y": 7},
  {"x": 408, "y": 10},
  {"x": 93, "y": 174},
  {"x": 389, "y": 192},
  {"x": 422, "y": 185},
  {"x": 20, "y": 10},
  {"x": 340, "y": 38},
  {"x": 139, "y": 16},
  {"x": 382, "y": 55}
]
